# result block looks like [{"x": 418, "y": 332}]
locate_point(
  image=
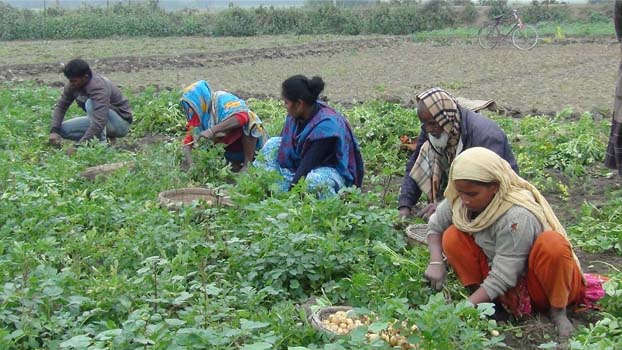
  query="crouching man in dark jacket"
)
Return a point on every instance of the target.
[{"x": 447, "y": 129}]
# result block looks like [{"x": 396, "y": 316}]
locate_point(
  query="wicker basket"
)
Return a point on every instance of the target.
[
  {"x": 323, "y": 314},
  {"x": 177, "y": 198},
  {"x": 417, "y": 233},
  {"x": 92, "y": 172}
]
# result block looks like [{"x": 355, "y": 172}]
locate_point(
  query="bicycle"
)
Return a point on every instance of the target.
[{"x": 524, "y": 36}]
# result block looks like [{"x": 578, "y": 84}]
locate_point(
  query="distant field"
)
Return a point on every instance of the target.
[
  {"x": 24, "y": 52},
  {"x": 577, "y": 72}
]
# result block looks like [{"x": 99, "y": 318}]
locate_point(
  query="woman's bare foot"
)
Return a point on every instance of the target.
[{"x": 561, "y": 322}]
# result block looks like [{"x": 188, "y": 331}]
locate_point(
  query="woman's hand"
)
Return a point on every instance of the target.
[
  {"x": 211, "y": 135},
  {"x": 429, "y": 209},
  {"x": 208, "y": 134},
  {"x": 435, "y": 273}
]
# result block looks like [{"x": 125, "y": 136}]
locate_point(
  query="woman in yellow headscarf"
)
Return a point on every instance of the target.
[{"x": 503, "y": 241}]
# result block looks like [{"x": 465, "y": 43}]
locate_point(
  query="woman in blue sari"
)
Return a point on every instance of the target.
[
  {"x": 223, "y": 118},
  {"x": 316, "y": 143}
]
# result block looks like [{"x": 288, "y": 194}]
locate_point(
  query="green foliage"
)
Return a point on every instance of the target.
[
  {"x": 542, "y": 11},
  {"x": 157, "y": 112},
  {"x": 597, "y": 17},
  {"x": 612, "y": 301},
  {"x": 599, "y": 229},
  {"x": 462, "y": 326},
  {"x": 100, "y": 265},
  {"x": 437, "y": 14},
  {"x": 235, "y": 22},
  {"x": 604, "y": 334},
  {"x": 469, "y": 13},
  {"x": 394, "y": 20},
  {"x": 321, "y": 18},
  {"x": 542, "y": 142},
  {"x": 497, "y": 7}
]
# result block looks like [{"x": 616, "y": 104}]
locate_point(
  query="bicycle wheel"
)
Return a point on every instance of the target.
[
  {"x": 488, "y": 36},
  {"x": 525, "y": 38}
]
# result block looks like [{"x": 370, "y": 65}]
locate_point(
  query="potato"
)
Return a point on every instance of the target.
[{"x": 393, "y": 340}]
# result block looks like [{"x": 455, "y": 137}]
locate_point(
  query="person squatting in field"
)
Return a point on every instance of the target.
[
  {"x": 223, "y": 118},
  {"x": 504, "y": 242},
  {"x": 316, "y": 143},
  {"x": 447, "y": 129},
  {"x": 108, "y": 113}
]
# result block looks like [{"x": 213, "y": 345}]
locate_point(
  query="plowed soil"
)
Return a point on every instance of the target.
[{"x": 577, "y": 74}]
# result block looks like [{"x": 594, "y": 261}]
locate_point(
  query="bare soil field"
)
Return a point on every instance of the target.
[{"x": 577, "y": 74}]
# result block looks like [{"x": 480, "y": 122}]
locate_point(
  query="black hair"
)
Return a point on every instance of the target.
[
  {"x": 77, "y": 68},
  {"x": 302, "y": 88}
]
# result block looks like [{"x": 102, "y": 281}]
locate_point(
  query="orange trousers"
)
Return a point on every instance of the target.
[{"x": 553, "y": 277}]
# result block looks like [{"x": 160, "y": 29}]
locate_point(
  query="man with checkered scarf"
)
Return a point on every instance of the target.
[{"x": 447, "y": 129}]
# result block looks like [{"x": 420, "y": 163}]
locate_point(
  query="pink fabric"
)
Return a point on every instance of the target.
[
  {"x": 593, "y": 289},
  {"x": 517, "y": 300}
]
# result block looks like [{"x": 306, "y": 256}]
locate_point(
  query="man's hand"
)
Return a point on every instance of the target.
[
  {"x": 405, "y": 212},
  {"x": 55, "y": 140},
  {"x": 435, "y": 273},
  {"x": 71, "y": 150},
  {"x": 427, "y": 211}
]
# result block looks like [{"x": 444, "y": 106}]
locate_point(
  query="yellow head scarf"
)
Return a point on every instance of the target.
[
  {"x": 481, "y": 164},
  {"x": 484, "y": 165}
]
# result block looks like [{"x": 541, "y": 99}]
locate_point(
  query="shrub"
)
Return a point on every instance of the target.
[
  {"x": 273, "y": 21},
  {"x": 469, "y": 13},
  {"x": 392, "y": 20},
  {"x": 539, "y": 12},
  {"x": 497, "y": 7},
  {"x": 596, "y": 17},
  {"x": 437, "y": 15},
  {"x": 235, "y": 22}
]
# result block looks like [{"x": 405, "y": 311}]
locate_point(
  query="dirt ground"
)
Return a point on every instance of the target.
[{"x": 578, "y": 74}]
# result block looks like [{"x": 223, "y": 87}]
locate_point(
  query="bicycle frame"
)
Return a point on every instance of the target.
[
  {"x": 518, "y": 23},
  {"x": 523, "y": 36}
]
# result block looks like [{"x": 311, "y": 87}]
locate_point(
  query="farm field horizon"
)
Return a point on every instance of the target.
[{"x": 577, "y": 74}]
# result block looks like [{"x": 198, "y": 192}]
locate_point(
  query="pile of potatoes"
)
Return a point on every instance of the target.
[
  {"x": 340, "y": 323},
  {"x": 393, "y": 337}
]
